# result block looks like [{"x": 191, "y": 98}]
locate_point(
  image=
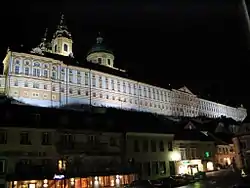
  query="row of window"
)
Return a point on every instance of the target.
[
  {"x": 153, "y": 146},
  {"x": 145, "y": 103},
  {"x": 188, "y": 153},
  {"x": 224, "y": 150},
  {"x": 152, "y": 168},
  {"x": 116, "y": 85},
  {"x": 46, "y": 139}
]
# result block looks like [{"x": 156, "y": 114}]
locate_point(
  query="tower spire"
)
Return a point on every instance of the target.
[
  {"x": 62, "y": 19},
  {"x": 62, "y": 29},
  {"x": 43, "y": 46},
  {"x": 44, "y": 39},
  {"x": 99, "y": 38},
  {"x": 62, "y": 41}
]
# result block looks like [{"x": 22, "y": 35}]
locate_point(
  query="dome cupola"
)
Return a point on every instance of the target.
[{"x": 100, "y": 53}]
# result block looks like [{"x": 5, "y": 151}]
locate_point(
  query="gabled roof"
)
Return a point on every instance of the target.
[
  {"x": 190, "y": 126},
  {"x": 185, "y": 90}
]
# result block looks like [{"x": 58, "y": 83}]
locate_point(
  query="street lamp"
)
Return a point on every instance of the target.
[{"x": 174, "y": 156}]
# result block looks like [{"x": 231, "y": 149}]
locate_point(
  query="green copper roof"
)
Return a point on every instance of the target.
[{"x": 99, "y": 47}]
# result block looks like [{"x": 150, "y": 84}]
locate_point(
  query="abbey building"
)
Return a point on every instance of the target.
[{"x": 50, "y": 76}]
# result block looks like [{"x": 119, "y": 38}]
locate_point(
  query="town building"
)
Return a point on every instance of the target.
[
  {"x": 37, "y": 150},
  {"x": 193, "y": 151},
  {"x": 50, "y": 76},
  {"x": 149, "y": 152},
  {"x": 225, "y": 154}
]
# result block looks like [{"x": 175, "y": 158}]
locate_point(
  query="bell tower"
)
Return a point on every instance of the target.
[{"x": 62, "y": 40}]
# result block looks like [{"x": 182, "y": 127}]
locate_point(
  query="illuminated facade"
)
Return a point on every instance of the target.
[
  {"x": 39, "y": 152},
  {"x": 75, "y": 182},
  {"x": 37, "y": 78},
  {"x": 149, "y": 152},
  {"x": 190, "y": 156},
  {"x": 225, "y": 154}
]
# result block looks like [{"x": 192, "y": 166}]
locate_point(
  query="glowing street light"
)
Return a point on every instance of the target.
[{"x": 174, "y": 156}]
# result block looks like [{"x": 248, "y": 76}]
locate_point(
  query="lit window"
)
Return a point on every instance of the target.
[
  {"x": 61, "y": 165},
  {"x": 53, "y": 75},
  {"x": 26, "y": 70},
  {"x": 17, "y": 69},
  {"x": 45, "y": 73}
]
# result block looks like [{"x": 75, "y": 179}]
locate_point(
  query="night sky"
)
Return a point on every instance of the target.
[{"x": 200, "y": 44}]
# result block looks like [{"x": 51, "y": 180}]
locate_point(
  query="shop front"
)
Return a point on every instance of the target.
[
  {"x": 190, "y": 167},
  {"x": 60, "y": 181}
]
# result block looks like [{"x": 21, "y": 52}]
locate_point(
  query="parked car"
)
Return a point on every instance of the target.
[
  {"x": 180, "y": 180},
  {"x": 173, "y": 181},
  {"x": 167, "y": 182},
  {"x": 142, "y": 184},
  {"x": 188, "y": 178}
]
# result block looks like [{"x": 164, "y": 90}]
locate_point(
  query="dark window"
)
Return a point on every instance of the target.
[
  {"x": 99, "y": 60},
  {"x": 45, "y": 161},
  {"x": 24, "y": 138},
  {"x": 67, "y": 138},
  {"x": 45, "y": 138},
  {"x": 146, "y": 168},
  {"x": 170, "y": 146},
  {"x": 35, "y": 117},
  {"x": 70, "y": 91},
  {"x": 153, "y": 146},
  {"x": 112, "y": 141},
  {"x": 243, "y": 145},
  {"x": 2, "y": 166},
  {"x": 65, "y": 47},
  {"x": 145, "y": 145},
  {"x": 136, "y": 146},
  {"x": 161, "y": 146},
  {"x": 55, "y": 48},
  {"x": 162, "y": 165},
  {"x": 92, "y": 139},
  {"x": 155, "y": 167},
  {"x": 3, "y": 137},
  {"x": 108, "y": 61}
]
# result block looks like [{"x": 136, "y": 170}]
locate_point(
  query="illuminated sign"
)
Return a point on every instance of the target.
[
  {"x": 58, "y": 177},
  {"x": 207, "y": 154}
]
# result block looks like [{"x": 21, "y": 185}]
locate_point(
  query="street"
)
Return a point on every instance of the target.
[{"x": 217, "y": 179}]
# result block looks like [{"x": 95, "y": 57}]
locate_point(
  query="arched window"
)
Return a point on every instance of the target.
[
  {"x": 46, "y": 73},
  {"x": 17, "y": 69},
  {"x": 36, "y": 69},
  {"x": 26, "y": 70},
  {"x": 65, "y": 47},
  {"x": 54, "y": 73},
  {"x": 55, "y": 48}
]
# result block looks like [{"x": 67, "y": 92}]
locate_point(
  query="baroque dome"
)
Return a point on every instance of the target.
[{"x": 99, "y": 46}]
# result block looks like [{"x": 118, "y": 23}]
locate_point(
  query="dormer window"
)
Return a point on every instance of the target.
[
  {"x": 99, "y": 60},
  {"x": 65, "y": 47}
]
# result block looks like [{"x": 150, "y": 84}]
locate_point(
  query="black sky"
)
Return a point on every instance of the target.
[{"x": 201, "y": 44}]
